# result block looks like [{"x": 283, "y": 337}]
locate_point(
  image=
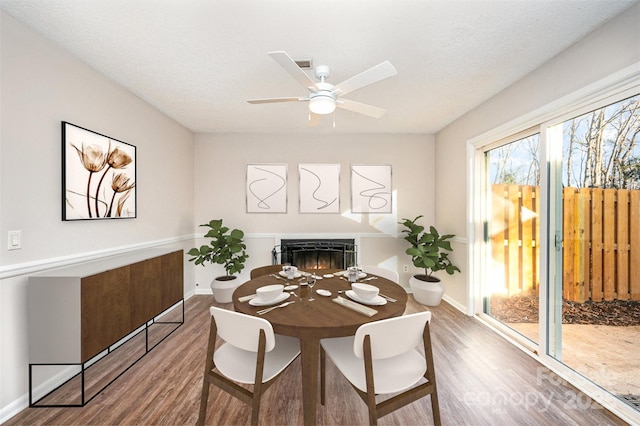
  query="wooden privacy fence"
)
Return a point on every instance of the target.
[
  {"x": 601, "y": 247},
  {"x": 515, "y": 230}
]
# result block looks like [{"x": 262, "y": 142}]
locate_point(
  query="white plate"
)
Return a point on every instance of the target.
[
  {"x": 317, "y": 277},
  {"x": 376, "y": 301},
  {"x": 296, "y": 275},
  {"x": 323, "y": 292},
  {"x": 328, "y": 275},
  {"x": 290, "y": 287},
  {"x": 258, "y": 302}
]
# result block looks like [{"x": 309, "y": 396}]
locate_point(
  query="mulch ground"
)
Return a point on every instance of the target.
[{"x": 524, "y": 309}]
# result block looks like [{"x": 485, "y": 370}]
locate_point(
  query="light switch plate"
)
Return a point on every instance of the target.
[{"x": 14, "y": 240}]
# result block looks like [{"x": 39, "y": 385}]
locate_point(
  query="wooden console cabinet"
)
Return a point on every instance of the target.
[{"x": 77, "y": 312}]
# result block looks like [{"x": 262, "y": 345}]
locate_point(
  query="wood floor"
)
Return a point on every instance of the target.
[{"x": 482, "y": 380}]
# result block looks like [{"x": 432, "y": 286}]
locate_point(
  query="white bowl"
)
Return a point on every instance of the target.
[
  {"x": 269, "y": 292},
  {"x": 365, "y": 291}
]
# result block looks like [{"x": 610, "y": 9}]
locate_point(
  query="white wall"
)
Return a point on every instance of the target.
[
  {"x": 610, "y": 48},
  {"x": 41, "y": 85},
  {"x": 220, "y": 172}
]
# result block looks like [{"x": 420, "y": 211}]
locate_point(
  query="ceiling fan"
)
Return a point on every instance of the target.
[{"x": 324, "y": 97}]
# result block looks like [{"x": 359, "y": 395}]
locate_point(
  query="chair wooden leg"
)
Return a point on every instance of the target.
[
  {"x": 255, "y": 410},
  {"x": 371, "y": 394},
  {"x": 323, "y": 372},
  {"x": 373, "y": 415},
  {"x": 208, "y": 366},
  {"x": 204, "y": 398},
  {"x": 258, "y": 383},
  {"x": 431, "y": 374},
  {"x": 435, "y": 407}
]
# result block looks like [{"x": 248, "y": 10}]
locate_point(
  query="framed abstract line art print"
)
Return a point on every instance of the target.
[
  {"x": 319, "y": 188},
  {"x": 98, "y": 176},
  {"x": 371, "y": 188},
  {"x": 266, "y": 188}
]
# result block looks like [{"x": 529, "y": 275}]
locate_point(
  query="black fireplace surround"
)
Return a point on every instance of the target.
[{"x": 328, "y": 253}]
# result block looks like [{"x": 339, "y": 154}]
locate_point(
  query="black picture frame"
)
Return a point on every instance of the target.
[{"x": 98, "y": 176}]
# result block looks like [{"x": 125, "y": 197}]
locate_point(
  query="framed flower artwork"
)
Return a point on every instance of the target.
[{"x": 98, "y": 176}]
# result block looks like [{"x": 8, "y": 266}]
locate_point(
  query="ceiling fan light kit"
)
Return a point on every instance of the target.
[
  {"x": 322, "y": 104},
  {"x": 322, "y": 101},
  {"x": 325, "y": 97}
]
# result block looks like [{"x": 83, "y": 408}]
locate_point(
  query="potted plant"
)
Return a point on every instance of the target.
[
  {"x": 428, "y": 251},
  {"x": 225, "y": 248}
]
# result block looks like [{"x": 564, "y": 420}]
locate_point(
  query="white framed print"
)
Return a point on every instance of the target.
[
  {"x": 371, "y": 188},
  {"x": 319, "y": 188},
  {"x": 266, "y": 188}
]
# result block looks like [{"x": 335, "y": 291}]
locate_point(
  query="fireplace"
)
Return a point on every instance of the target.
[{"x": 316, "y": 253}]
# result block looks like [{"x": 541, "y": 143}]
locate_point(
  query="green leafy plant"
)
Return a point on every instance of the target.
[
  {"x": 429, "y": 250},
  {"x": 225, "y": 248}
]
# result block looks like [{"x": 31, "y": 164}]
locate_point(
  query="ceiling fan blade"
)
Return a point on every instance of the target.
[
  {"x": 273, "y": 100},
  {"x": 292, "y": 68},
  {"x": 365, "y": 78},
  {"x": 370, "y": 110}
]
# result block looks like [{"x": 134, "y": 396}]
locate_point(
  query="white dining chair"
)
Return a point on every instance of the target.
[
  {"x": 382, "y": 358},
  {"x": 252, "y": 354},
  {"x": 382, "y": 272}
]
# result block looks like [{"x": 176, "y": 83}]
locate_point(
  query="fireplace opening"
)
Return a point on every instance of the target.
[{"x": 316, "y": 253}]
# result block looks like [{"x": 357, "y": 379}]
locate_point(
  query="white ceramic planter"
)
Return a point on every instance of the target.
[
  {"x": 223, "y": 290},
  {"x": 426, "y": 292}
]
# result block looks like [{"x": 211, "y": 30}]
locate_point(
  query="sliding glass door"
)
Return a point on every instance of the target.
[
  {"x": 595, "y": 296},
  {"x": 512, "y": 194},
  {"x": 559, "y": 268}
]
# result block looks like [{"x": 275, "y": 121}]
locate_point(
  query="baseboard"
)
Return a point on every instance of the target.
[
  {"x": 450, "y": 301},
  {"x": 13, "y": 408},
  {"x": 455, "y": 304}
]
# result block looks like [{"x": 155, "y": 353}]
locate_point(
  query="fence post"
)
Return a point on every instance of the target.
[
  {"x": 596, "y": 244},
  {"x": 622, "y": 245},
  {"x": 582, "y": 254},
  {"x": 569, "y": 211},
  {"x": 528, "y": 222},
  {"x": 513, "y": 240},
  {"x": 609, "y": 234},
  {"x": 634, "y": 245}
]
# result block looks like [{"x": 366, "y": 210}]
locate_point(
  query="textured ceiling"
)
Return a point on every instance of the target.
[{"x": 198, "y": 61}]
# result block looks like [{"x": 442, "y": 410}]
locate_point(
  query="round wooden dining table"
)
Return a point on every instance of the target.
[{"x": 321, "y": 318}]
